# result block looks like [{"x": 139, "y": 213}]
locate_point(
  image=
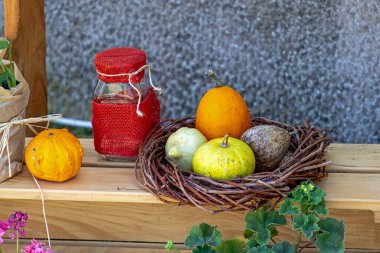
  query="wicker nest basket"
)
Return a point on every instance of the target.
[{"x": 162, "y": 178}]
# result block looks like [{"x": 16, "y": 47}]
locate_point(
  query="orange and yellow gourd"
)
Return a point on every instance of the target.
[{"x": 54, "y": 155}]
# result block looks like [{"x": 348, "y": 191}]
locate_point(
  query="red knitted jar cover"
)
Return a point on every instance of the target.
[
  {"x": 118, "y": 130},
  {"x": 118, "y": 61}
]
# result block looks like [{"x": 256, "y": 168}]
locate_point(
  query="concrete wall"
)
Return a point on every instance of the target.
[{"x": 291, "y": 59}]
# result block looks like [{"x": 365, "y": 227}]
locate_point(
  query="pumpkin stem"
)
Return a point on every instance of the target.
[
  {"x": 212, "y": 75},
  {"x": 224, "y": 144}
]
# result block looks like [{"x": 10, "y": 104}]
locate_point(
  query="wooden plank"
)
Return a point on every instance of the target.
[
  {"x": 60, "y": 246},
  {"x": 354, "y": 158},
  {"x": 346, "y": 158},
  {"x": 344, "y": 190},
  {"x": 65, "y": 246},
  {"x": 24, "y": 27},
  {"x": 91, "y": 184},
  {"x": 92, "y": 158},
  {"x": 133, "y": 222}
]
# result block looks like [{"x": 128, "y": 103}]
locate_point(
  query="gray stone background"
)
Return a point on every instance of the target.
[{"x": 291, "y": 59}]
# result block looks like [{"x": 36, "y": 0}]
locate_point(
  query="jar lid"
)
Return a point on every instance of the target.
[{"x": 114, "y": 65}]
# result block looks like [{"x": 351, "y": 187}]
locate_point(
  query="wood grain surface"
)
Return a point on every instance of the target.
[
  {"x": 105, "y": 203},
  {"x": 135, "y": 222}
]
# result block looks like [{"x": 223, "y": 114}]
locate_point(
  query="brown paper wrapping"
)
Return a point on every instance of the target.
[{"x": 12, "y": 106}]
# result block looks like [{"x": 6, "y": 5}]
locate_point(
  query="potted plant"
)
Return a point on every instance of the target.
[{"x": 14, "y": 95}]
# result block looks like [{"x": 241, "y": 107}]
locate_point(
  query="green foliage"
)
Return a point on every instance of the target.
[
  {"x": 7, "y": 76},
  {"x": 303, "y": 206},
  {"x": 203, "y": 234},
  {"x": 4, "y": 44},
  {"x": 232, "y": 246},
  {"x": 170, "y": 245},
  {"x": 307, "y": 224},
  {"x": 204, "y": 249},
  {"x": 283, "y": 247},
  {"x": 332, "y": 237},
  {"x": 261, "y": 249},
  {"x": 261, "y": 221},
  {"x": 289, "y": 208}
]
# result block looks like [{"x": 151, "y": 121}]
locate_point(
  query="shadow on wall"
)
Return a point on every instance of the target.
[{"x": 291, "y": 60}]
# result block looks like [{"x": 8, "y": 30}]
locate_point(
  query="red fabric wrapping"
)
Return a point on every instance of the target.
[
  {"x": 118, "y": 130},
  {"x": 121, "y": 60}
]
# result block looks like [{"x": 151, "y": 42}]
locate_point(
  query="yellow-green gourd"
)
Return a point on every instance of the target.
[{"x": 224, "y": 158}]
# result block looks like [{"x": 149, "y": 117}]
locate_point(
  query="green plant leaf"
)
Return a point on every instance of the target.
[
  {"x": 4, "y": 44},
  {"x": 283, "y": 247},
  {"x": 252, "y": 243},
  {"x": 331, "y": 240},
  {"x": 261, "y": 221},
  {"x": 232, "y": 246},
  {"x": 261, "y": 249},
  {"x": 311, "y": 198},
  {"x": 320, "y": 208},
  {"x": 288, "y": 207},
  {"x": 203, "y": 234},
  {"x": 308, "y": 224},
  {"x": 273, "y": 232},
  {"x": 248, "y": 233},
  {"x": 204, "y": 249},
  {"x": 170, "y": 245},
  {"x": 302, "y": 192},
  {"x": 4, "y": 76},
  {"x": 316, "y": 196}
]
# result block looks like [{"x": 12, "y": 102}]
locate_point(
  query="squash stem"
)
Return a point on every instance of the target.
[
  {"x": 212, "y": 75},
  {"x": 225, "y": 142}
]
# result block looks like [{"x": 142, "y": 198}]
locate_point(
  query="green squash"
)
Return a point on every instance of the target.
[
  {"x": 181, "y": 146},
  {"x": 224, "y": 158}
]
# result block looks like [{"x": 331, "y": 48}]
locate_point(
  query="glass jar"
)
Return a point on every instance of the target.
[{"x": 125, "y": 107}]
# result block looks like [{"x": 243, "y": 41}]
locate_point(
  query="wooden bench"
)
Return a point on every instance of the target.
[{"x": 104, "y": 209}]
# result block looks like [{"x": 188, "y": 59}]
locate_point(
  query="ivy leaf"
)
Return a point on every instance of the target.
[
  {"x": 4, "y": 44},
  {"x": 261, "y": 221},
  {"x": 261, "y": 249},
  {"x": 331, "y": 240},
  {"x": 273, "y": 232},
  {"x": 232, "y": 246},
  {"x": 320, "y": 208},
  {"x": 248, "y": 233},
  {"x": 203, "y": 234},
  {"x": 316, "y": 196},
  {"x": 308, "y": 224},
  {"x": 283, "y": 247},
  {"x": 204, "y": 249},
  {"x": 288, "y": 207},
  {"x": 252, "y": 243}
]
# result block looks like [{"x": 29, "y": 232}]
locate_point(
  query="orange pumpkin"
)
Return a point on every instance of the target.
[
  {"x": 222, "y": 111},
  {"x": 54, "y": 155}
]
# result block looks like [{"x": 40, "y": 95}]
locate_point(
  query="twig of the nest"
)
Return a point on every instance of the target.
[{"x": 171, "y": 185}]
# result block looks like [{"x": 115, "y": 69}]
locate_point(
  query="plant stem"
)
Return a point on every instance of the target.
[
  {"x": 1, "y": 251},
  {"x": 225, "y": 142},
  {"x": 13, "y": 78},
  {"x": 297, "y": 241},
  {"x": 306, "y": 245},
  {"x": 211, "y": 74},
  {"x": 17, "y": 243}
]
